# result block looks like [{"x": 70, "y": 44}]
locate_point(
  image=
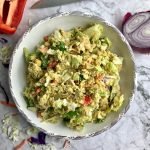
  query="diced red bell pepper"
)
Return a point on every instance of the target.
[
  {"x": 52, "y": 64},
  {"x": 87, "y": 100},
  {"x": 37, "y": 90},
  {"x": 38, "y": 113},
  {"x": 46, "y": 38}
]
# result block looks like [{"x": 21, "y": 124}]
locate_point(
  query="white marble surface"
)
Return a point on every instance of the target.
[{"x": 132, "y": 132}]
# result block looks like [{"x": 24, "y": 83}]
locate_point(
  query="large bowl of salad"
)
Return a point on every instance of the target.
[{"x": 72, "y": 75}]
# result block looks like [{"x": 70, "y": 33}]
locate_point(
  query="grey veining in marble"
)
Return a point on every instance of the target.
[{"x": 132, "y": 132}]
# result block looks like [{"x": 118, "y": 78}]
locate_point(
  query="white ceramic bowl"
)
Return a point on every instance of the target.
[{"x": 67, "y": 21}]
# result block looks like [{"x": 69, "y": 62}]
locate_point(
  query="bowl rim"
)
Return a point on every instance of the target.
[{"x": 82, "y": 14}]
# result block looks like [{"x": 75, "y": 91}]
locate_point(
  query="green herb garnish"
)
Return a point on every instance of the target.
[
  {"x": 29, "y": 102},
  {"x": 60, "y": 46},
  {"x": 81, "y": 77},
  {"x": 44, "y": 62}
]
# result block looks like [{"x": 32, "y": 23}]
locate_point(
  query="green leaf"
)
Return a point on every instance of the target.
[
  {"x": 26, "y": 54},
  {"x": 66, "y": 119},
  {"x": 50, "y": 109},
  {"x": 94, "y": 32},
  {"x": 43, "y": 88},
  {"x": 105, "y": 41},
  {"x": 102, "y": 94},
  {"x": 60, "y": 46},
  {"x": 44, "y": 60},
  {"x": 53, "y": 48},
  {"x": 81, "y": 77},
  {"x": 34, "y": 109},
  {"x": 29, "y": 56},
  {"x": 99, "y": 120},
  {"x": 29, "y": 102},
  {"x": 70, "y": 114},
  {"x": 38, "y": 53}
]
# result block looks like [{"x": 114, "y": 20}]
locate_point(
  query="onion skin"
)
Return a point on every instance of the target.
[
  {"x": 128, "y": 15},
  {"x": 126, "y": 18},
  {"x": 136, "y": 29}
]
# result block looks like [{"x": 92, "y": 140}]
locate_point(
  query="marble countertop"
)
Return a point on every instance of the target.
[{"x": 132, "y": 132}]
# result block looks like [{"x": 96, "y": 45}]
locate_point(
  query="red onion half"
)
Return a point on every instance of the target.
[{"x": 136, "y": 28}]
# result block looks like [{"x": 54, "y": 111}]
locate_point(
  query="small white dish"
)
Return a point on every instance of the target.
[{"x": 67, "y": 21}]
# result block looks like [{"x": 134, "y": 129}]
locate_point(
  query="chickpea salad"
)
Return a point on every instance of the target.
[{"x": 73, "y": 77}]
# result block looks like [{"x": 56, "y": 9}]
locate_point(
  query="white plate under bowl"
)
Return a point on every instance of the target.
[{"x": 67, "y": 21}]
